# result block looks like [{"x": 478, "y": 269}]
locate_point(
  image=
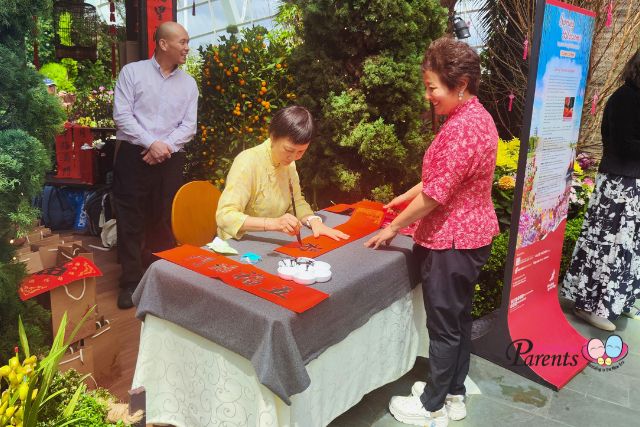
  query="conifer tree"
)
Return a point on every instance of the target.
[{"x": 358, "y": 71}]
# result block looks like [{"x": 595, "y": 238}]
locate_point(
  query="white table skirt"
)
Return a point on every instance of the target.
[{"x": 193, "y": 382}]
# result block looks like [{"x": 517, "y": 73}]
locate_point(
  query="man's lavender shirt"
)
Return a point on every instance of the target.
[{"x": 149, "y": 106}]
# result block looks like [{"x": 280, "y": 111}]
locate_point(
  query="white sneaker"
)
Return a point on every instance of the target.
[
  {"x": 409, "y": 410},
  {"x": 597, "y": 321},
  {"x": 456, "y": 409},
  {"x": 633, "y": 313}
]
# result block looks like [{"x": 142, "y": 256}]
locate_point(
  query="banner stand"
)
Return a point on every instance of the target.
[{"x": 529, "y": 334}]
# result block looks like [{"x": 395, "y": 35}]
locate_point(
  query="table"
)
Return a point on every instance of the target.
[{"x": 210, "y": 353}]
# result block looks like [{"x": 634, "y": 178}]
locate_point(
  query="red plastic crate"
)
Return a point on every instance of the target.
[
  {"x": 68, "y": 165},
  {"x": 88, "y": 160}
]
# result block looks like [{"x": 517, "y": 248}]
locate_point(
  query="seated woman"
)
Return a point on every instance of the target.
[{"x": 257, "y": 195}]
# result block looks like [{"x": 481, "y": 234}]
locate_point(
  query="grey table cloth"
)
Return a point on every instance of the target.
[{"x": 278, "y": 342}]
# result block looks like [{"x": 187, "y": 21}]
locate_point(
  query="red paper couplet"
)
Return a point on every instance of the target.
[
  {"x": 363, "y": 221},
  {"x": 51, "y": 278},
  {"x": 157, "y": 12},
  {"x": 246, "y": 277}
]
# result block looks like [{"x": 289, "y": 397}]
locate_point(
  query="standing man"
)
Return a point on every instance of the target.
[{"x": 155, "y": 110}]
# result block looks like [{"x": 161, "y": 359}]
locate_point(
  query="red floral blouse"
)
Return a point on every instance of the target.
[{"x": 457, "y": 172}]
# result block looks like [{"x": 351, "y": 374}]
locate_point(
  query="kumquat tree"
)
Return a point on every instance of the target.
[{"x": 244, "y": 80}]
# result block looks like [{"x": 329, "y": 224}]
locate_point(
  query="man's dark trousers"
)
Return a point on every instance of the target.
[
  {"x": 448, "y": 282},
  {"x": 143, "y": 197}
]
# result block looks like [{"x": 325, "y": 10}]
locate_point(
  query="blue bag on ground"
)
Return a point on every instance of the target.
[
  {"x": 77, "y": 197},
  {"x": 57, "y": 211}
]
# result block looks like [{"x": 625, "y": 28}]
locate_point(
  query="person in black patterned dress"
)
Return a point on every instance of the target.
[{"x": 604, "y": 276}]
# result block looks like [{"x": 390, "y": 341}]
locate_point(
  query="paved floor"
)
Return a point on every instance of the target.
[{"x": 592, "y": 398}]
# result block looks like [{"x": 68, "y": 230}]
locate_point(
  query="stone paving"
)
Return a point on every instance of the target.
[{"x": 592, "y": 398}]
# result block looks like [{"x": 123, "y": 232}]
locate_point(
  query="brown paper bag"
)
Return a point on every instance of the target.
[
  {"x": 82, "y": 359},
  {"x": 32, "y": 260},
  {"x": 76, "y": 299},
  {"x": 54, "y": 239},
  {"x": 38, "y": 234},
  {"x": 49, "y": 254},
  {"x": 106, "y": 349},
  {"x": 23, "y": 250},
  {"x": 70, "y": 250}
]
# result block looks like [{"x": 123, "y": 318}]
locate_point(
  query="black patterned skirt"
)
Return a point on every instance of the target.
[{"x": 604, "y": 275}]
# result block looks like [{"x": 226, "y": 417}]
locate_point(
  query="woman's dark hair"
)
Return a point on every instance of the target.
[
  {"x": 453, "y": 60},
  {"x": 294, "y": 122},
  {"x": 631, "y": 71}
]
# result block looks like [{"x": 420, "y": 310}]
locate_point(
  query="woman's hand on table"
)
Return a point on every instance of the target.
[
  {"x": 287, "y": 223},
  {"x": 384, "y": 236},
  {"x": 319, "y": 229}
]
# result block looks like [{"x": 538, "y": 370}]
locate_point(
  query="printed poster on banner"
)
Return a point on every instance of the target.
[{"x": 534, "y": 313}]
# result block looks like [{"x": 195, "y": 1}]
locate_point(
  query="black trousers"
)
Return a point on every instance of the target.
[
  {"x": 143, "y": 197},
  {"x": 448, "y": 282}
]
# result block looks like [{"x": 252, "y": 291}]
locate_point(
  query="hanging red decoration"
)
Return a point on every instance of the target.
[
  {"x": 609, "y": 14},
  {"x": 525, "y": 52},
  {"x": 594, "y": 103},
  {"x": 511, "y": 97},
  {"x": 112, "y": 32}
]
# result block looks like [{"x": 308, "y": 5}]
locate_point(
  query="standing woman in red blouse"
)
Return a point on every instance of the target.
[{"x": 457, "y": 223}]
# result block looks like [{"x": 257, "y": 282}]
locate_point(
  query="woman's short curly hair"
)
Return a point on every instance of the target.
[
  {"x": 631, "y": 72},
  {"x": 452, "y": 61}
]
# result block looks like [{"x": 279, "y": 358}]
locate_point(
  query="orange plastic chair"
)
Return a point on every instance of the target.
[{"x": 193, "y": 214}]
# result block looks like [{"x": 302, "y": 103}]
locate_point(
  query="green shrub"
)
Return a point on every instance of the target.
[
  {"x": 91, "y": 407},
  {"x": 60, "y": 76},
  {"x": 23, "y": 161},
  {"x": 488, "y": 292},
  {"x": 24, "y": 101},
  {"x": 571, "y": 234},
  {"x": 358, "y": 71}
]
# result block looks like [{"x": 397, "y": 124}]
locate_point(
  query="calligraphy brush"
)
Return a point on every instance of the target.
[{"x": 293, "y": 204}]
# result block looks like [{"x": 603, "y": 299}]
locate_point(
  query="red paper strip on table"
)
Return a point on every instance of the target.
[
  {"x": 51, "y": 278},
  {"x": 363, "y": 221},
  {"x": 389, "y": 215},
  {"x": 367, "y": 204},
  {"x": 246, "y": 277}
]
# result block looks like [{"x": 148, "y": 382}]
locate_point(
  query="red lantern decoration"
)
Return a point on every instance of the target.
[{"x": 112, "y": 32}]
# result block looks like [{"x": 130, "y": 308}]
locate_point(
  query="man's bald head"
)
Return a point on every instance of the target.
[
  {"x": 172, "y": 43},
  {"x": 168, "y": 30}
]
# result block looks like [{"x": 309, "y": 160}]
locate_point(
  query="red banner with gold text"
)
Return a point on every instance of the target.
[{"x": 50, "y": 278}]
